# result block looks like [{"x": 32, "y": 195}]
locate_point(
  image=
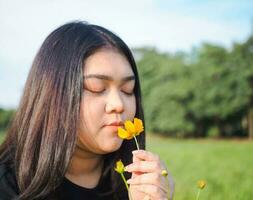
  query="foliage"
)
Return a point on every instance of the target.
[
  {"x": 185, "y": 95},
  {"x": 5, "y": 117}
]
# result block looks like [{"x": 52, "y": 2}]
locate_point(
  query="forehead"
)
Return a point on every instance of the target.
[{"x": 108, "y": 62}]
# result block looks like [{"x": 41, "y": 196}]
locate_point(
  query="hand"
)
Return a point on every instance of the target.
[{"x": 147, "y": 182}]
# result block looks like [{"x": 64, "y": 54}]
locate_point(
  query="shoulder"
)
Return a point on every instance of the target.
[{"x": 8, "y": 183}]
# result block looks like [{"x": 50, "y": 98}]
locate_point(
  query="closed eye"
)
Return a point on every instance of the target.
[
  {"x": 95, "y": 91},
  {"x": 128, "y": 93}
]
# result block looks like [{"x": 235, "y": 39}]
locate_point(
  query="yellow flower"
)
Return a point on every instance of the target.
[
  {"x": 119, "y": 167},
  {"x": 122, "y": 133},
  {"x": 201, "y": 184},
  {"x": 138, "y": 126},
  {"x": 132, "y": 129}
]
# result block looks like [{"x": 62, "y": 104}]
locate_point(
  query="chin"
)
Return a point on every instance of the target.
[{"x": 111, "y": 146}]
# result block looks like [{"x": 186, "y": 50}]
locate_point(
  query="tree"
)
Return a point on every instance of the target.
[{"x": 194, "y": 95}]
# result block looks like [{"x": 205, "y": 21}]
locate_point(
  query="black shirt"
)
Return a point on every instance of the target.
[
  {"x": 72, "y": 191},
  {"x": 66, "y": 191}
]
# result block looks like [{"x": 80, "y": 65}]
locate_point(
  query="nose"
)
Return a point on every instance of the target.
[{"x": 114, "y": 103}]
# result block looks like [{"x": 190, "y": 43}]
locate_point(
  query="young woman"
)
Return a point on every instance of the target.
[{"x": 63, "y": 141}]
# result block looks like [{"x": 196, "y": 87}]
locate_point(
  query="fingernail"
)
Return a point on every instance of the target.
[
  {"x": 128, "y": 168},
  {"x": 135, "y": 152},
  {"x": 129, "y": 181}
]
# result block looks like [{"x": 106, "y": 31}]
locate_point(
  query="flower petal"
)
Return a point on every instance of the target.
[
  {"x": 130, "y": 128},
  {"x": 122, "y": 133},
  {"x": 138, "y": 126},
  {"x": 119, "y": 167},
  {"x": 201, "y": 184},
  {"x": 130, "y": 137}
]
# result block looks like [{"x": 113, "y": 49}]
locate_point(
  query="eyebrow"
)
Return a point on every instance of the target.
[{"x": 108, "y": 78}]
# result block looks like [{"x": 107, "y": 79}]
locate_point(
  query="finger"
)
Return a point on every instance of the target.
[
  {"x": 146, "y": 197},
  {"x": 153, "y": 191},
  {"x": 136, "y": 159},
  {"x": 150, "y": 178},
  {"x": 144, "y": 166},
  {"x": 146, "y": 155},
  {"x": 134, "y": 174}
]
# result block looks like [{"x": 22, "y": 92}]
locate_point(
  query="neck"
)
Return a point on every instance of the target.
[{"x": 85, "y": 168}]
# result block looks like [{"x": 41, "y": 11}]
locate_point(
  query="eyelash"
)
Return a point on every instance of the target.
[
  {"x": 97, "y": 92},
  {"x": 101, "y": 92},
  {"x": 128, "y": 94}
]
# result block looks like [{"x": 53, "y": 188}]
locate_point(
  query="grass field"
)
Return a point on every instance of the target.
[{"x": 226, "y": 165}]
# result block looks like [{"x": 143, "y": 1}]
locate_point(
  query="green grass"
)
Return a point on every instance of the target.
[{"x": 226, "y": 165}]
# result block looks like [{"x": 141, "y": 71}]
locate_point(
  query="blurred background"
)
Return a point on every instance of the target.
[{"x": 195, "y": 60}]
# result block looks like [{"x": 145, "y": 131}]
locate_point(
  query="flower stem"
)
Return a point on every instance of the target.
[
  {"x": 137, "y": 145},
  {"x": 124, "y": 179},
  {"x": 198, "y": 195}
]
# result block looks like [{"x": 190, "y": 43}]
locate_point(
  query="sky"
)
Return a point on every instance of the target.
[{"x": 170, "y": 26}]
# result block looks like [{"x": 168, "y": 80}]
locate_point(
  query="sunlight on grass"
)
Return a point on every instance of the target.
[{"x": 225, "y": 165}]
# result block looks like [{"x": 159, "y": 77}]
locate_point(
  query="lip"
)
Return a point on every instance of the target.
[
  {"x": 115, "y": 123},
  {"x": 114, "y": 126}
]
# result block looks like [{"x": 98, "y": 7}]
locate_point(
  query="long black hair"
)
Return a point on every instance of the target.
[{"x": 43, "y": 134}]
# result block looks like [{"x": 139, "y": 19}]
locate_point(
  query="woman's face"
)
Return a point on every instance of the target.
[{"x": 108, "y": 100}]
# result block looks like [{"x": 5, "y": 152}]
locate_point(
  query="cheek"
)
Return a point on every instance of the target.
[{"x": 91, "y": 112}]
